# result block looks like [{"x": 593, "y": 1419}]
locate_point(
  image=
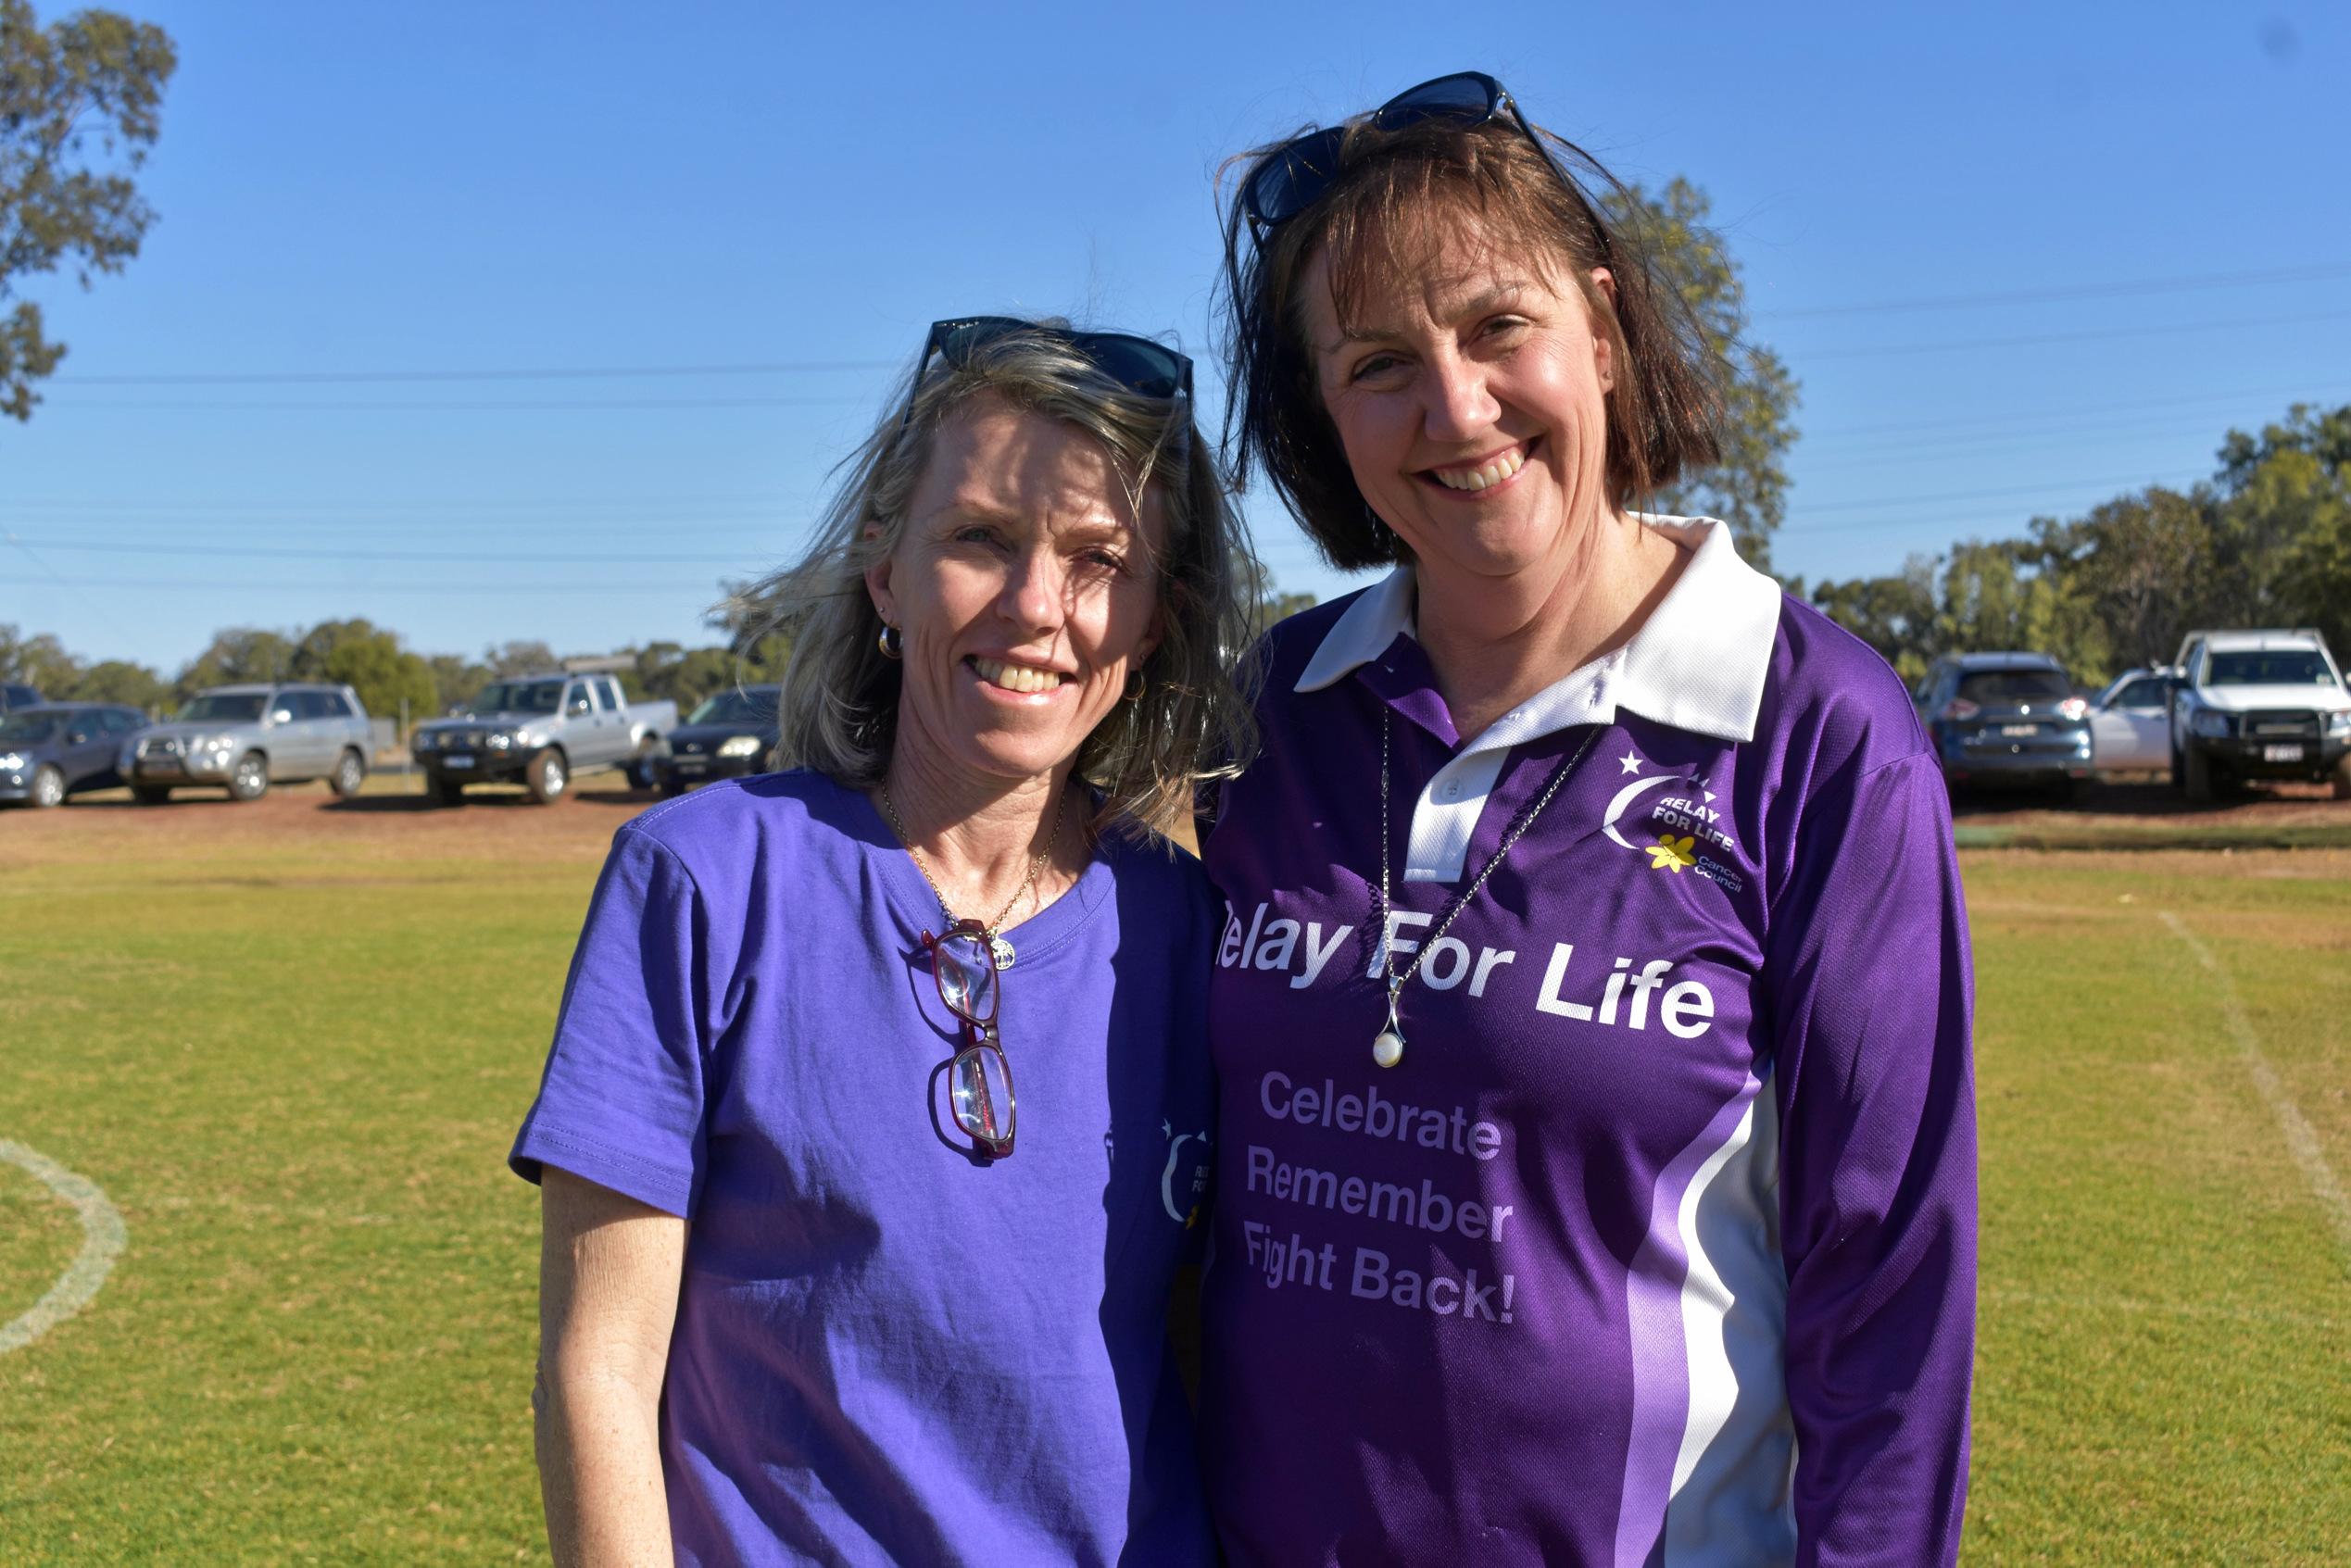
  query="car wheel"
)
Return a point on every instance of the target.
[
  {"x": 350, "y": 773},
  {"x": 2342, "y": 777},
  {"x": 48, "y": 787},
  {"x": 2196, "y": 776},
  {"x": 250, "y": 780},
  {"x": 640, "y": 769},
  {"x": 448, "y": 791},
  {"x": 151, "y": 795},
  {"x": 547, "y": 777},
  {"x": 2178, "y": 771}
]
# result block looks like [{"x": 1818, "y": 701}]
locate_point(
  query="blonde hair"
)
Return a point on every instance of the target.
[{"x": 838, "y": 706}]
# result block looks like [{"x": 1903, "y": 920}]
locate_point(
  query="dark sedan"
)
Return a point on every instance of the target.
[
  {"x": 56, "y": 749},
  {"x": 727, "y": 737}
]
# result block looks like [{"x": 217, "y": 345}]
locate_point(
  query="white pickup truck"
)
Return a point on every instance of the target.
[
  {"x": 542, "y": 732},
  {"x": 2259, "y": 705}
]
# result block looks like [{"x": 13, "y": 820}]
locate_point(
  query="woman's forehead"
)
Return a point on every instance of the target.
[
  {"x": 993, "y": 461},
  {"x": 1438, "y": 270}
]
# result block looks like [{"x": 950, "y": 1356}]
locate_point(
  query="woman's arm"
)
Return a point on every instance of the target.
[
  {"x": 1872, "y": 996},
  {"x": 609, "y": 1269}
]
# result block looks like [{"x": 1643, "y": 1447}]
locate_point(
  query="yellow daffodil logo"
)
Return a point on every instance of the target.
[{"x": 1670, "y": 854}]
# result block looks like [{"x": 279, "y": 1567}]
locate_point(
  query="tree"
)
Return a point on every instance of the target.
[
  {"x": 371, "y": 662},
  {"x": 79, "y": 105},
  {"x": 1895, "y": 615},
  {"x": 519, "y": 658},
  {"x": 39, "y": 661},
  {"x": 2284, "y": 521},
  {"x": 1749, "y": 488},
  {"x": 237, "y": 655},
  {"x": 118, "y": 680}
]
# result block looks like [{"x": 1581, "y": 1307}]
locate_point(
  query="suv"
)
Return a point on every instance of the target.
[
  {"x": 247, "y": 739},
  {"x": 2259, "y": 705},
  {"x": 729, "y": 737},
  {"x": 542, "y": 732},
  {"x": 2006, "y": 718}
]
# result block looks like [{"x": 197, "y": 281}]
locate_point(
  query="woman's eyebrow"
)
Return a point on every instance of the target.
[{"x": 1505, "y": 292}]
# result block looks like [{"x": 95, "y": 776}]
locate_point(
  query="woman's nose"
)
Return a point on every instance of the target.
[
  {"x": 1456, "y": 403},
  {"x": 1035, "y": 590}
]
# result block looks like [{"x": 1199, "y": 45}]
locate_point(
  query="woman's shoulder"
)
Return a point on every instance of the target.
[
  {"x": 1832, "y": 701},
  {"x": 1156, "y": 878},
  {"x": 722, "y": 825}
]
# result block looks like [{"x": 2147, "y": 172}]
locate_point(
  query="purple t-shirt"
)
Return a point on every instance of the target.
[
  {"x": 1657, "y": 1247},
  {"x": 887, "y": 1351}
]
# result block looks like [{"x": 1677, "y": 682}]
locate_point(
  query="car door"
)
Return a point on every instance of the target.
[
  {"x": 84, "y": 750},
  {"x": 584, "y": 737},
  {"x": 293, "y": 740}
]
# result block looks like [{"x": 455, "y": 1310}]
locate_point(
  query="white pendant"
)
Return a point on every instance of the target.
[
  {"x": 1002, "y": 951},
  {"x": 1388, "y": 1049}
]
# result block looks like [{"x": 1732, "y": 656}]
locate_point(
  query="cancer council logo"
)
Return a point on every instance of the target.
[{"x": 1681, "y": 824}]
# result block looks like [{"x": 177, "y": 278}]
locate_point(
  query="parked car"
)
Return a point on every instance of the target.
[
  {"x": 729, "y": 737},
  {"x": 13, "y": 695},
  {"x": 541, "y": 732},
  {"x": 2259, "y": 705},
  {"x": 53, "y": 749},
  {"x": 2131, "y": 721},
  {"x": 2005, "y": 717},
  {"x": 245, "y": 738}
]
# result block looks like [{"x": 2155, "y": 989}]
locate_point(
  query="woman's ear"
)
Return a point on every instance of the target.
[
  {"x": 877, "y": 581},
  {"x": 1604, "y": 342}
]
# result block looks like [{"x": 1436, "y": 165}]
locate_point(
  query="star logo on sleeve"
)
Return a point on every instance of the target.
[{"x": 1629, "y": 762}]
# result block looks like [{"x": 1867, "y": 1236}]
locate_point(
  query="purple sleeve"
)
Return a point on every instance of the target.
[
  {"x": 622, "y": 1100},
  {"x": 1871, "y": 993}
]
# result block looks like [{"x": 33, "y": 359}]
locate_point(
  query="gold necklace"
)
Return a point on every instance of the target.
[{"x": 997, "y": 945}]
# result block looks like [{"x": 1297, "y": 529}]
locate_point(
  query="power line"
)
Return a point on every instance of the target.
[
  {"x": 243, "y": 585},
  {"x": 2038, "y": 339},
  {"x": 2073, "y": 290},
  {"x": 533, "y": 558},
  {"x": 594, "y": 372},
  {"x": 2043, "y": 488}
]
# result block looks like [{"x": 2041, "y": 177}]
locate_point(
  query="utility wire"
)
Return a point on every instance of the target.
[
  {"x": 595, "y": 372},
  {"x": 2038, "y": 339},
  {"x": 2072, "y": 290},
  {"x": 531, "y": 558}
]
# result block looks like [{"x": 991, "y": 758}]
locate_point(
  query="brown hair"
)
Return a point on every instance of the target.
[
  {"x": 838, "y": 710},
  {"x": 1663, "y": 411}
]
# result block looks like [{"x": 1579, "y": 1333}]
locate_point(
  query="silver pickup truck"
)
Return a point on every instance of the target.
[{"x": 541, "y": 732}]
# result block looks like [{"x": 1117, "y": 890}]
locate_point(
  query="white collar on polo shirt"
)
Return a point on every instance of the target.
[{"x": 1697, "y": 663}]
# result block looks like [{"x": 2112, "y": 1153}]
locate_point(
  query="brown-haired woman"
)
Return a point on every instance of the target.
[{"x": 1596, "y": 1159}]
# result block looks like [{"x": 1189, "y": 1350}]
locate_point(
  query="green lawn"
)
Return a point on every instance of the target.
[{"x": 294, "y": 1063}]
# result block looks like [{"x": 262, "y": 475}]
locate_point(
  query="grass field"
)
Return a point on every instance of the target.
[{"x": 292, "y": 1043}]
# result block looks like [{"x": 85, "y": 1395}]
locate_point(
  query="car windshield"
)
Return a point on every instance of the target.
[
  {"x": 737, "y": 707},
  {"x": 225, "y": 708},
  {"x": 2003, "y": 686},
  {"x": 519, "y": 696},
  {"x": 28, "y": 729},
  {"x": 2270, "y": 667}
]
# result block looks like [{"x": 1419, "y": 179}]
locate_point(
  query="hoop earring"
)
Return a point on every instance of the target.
[
  {"x": 1137, "y": 683},
  {"x": 892, "y": 642}
]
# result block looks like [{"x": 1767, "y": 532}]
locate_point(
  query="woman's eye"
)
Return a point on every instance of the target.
[
  {"x": 1108, "y": 561},
  {"x": 1504, "y": 326},
  {"x": 1377, "y": 365}
]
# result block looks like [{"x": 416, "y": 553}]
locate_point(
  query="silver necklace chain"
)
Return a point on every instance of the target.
[
  {"x": 1036, "y": 864},
  {"x": 1383, "y": 1051}
]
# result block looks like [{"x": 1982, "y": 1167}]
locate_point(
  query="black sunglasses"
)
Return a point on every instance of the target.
[
  {"x": 1292, "y": 176},
  {"x": 1147, "y": 369}
]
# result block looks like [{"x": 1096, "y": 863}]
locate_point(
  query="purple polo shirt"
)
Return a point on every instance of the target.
[
  {"x": 1657, "y": 1247},
  {"x": 885, "y": 1350}
]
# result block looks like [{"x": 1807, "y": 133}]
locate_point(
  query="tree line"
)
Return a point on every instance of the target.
[
  {"x": 2265, "y": 542},
  {"x": 375, "y": 662}
]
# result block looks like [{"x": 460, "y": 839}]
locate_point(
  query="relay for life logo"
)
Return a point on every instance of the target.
[{"x": 1681, "y": 826}]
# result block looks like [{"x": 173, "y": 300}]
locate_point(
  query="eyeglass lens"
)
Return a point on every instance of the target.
[
  {"x": 966, "y": 969},
  {"x": 982, "y": 1087}
]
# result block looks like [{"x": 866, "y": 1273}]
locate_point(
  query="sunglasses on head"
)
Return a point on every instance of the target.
[
  {"x": 1142, "y": 366},
  {"x": 1293, "y": 176}
]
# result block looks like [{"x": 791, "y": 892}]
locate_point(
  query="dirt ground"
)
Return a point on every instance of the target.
[
  {"x": 393, "y": 818},
  {"x": 383, "y": 822},
  {"x": 2109, "y": 802}
]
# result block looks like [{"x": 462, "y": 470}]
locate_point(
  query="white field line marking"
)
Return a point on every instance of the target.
[
  {"x": 103, "y": 1239},
  {"x": 2301, "y": 1142}
]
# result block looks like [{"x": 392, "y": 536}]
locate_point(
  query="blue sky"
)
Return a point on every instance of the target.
[{"x": 766, "y": 204}]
